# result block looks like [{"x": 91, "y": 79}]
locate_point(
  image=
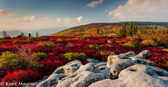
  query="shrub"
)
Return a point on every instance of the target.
[
  {"x": 21, "y": 35},
  {"x": 49, "y": 44},
  {"x": 110, "y": 46},
  {"x": 132, "y": 44},
  {"x": 3, "y": 41},
  {"x": 7, "y": 37},
  {"x": 75, "y": 56},
  {"x": 84, "y": 38},
  {"x": 40, "y": 55},
  {"x": 92, "y": 46},
  {"x": 61, "y": 40},
  {"x": 166, "y": 50},
  {"x": 105, "y": 54},
  {"x": 36, "y": 39},
  {"x": 20, "y": 41},
  {"x": 118, "y": 41},
  {"x": 69, "y": 39},
  {"x": 22, "y": 76},
  {"x": 9, "y": 60},
  {"x": 149, "y": 42}
]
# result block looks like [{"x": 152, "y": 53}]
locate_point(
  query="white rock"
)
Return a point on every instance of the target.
[
  {"x": 137, "y": 76},
  {"x": 83, "y": 79},
  {"x": 93, "y": 61}
]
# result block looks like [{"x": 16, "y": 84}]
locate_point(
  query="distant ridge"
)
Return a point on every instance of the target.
[{"x": 78, "y": 30}]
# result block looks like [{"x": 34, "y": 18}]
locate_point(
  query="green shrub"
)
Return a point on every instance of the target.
[
  {"x": 69, "y": 39},
  {"x": 75, "y": 56},
  {"x": 20, "y": 41},
  {"x": 132, "y": 44},
  {"x": 36, "y": 39},
  {"x": 21, "y": 35},
  {"x": 91, "y": 46},
  {"x": 39, "y": 55},
  {"x": 118, "y": 41},
  {"x": 84, "y": 38},
  {"x": 9, "y": 60},
  {"x": 61, "y": 40},
  {"x": 6, "y": 37},
  {"x": 166, "y": 50},
  {"x": 110, "y": 46},
  {"x": 96, "y": 46},
  {"x": 105, "y": 54},
  {"x": 3, "y": 41},
  {"x": 50, "y": 44}
]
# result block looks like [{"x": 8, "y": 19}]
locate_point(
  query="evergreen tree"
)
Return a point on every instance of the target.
[
  {"x": 130, "y": 30},
  {"x": 122, "y": 32},
  {"x": 135, "y": 29},
  {"x": 154, "y": 29}
]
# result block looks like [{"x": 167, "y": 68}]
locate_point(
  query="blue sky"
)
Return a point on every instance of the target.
[{"x": 42, "y": 14}]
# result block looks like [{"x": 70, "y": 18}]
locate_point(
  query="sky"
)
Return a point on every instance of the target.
[{"x": 29, "y": 15}]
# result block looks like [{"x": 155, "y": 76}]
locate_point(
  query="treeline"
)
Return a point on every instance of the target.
[{"x": 21, "y": 35}]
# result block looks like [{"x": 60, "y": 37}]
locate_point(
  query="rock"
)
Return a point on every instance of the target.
[
  {"x": 71, "y": 67},
  {"x": 101, "y": 65},
  {"x": 137, "y": 76},
  {"x": 126, "y": 55},
  {"x": 111, "y": 59},
  {"x": 60, "y": 73},
  {"x": 51, "y": 80},
  {"x": 121, "y": 64},
  {"x": 144, "y": 54},
  {"x": 123, "y": 70},
  {"x": 93, "y": 61},
  {"x": 118, "y": 66},
  {"x": 83, "y": 79}
]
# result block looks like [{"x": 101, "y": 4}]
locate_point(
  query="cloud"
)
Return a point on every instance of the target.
[
  {"x": 94, "y": 3},
  {"x": 79, "y": 18},
  {"x": 3, "y": 12},
  {"x": 26, "y": 19},
  {"x": 106, "y": 11},
  {"x": 141, "y": 10},
  {"x": 59, "y": 19}
]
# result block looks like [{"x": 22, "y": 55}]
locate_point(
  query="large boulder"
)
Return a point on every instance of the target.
[
  {"x": 121, "y": 64},
  {"x": 137, "y": 76},
  {"x": 111, "y": 59},
  {"x": 83, "y": 79},
  {"x": 60, "y": 73},
  {"x": 123, "y": 70}
]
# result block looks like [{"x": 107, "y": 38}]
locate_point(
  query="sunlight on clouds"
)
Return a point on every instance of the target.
[
  {"x": 94, "y": 3},
  {"x": 26, "y": 19},
  {"x": 3, "y": 12},
  {"x": 79, "y": 18},
  {"x": 141, "y": 10}
]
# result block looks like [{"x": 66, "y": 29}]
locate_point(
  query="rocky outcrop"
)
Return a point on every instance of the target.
[
  {"x": 124, "y": 70},
  {"x": 137, "y": 76}
]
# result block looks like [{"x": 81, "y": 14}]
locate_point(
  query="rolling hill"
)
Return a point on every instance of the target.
[{"x": 106, "y": 28}]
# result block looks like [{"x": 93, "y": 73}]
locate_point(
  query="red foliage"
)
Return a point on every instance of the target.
[{"x": 22, "y": 76}]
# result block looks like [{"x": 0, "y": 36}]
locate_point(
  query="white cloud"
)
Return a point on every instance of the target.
[
  {"x": 3, "y": 12},
  {"x": 26, "y": 19},
  {"x": 79, "y": 18},
  {"x": 141, "y": 10},
  {"x": 106, "y": 11},
  {"x": 59, "y": 19},
  {"x": 94, "y": 3}
]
